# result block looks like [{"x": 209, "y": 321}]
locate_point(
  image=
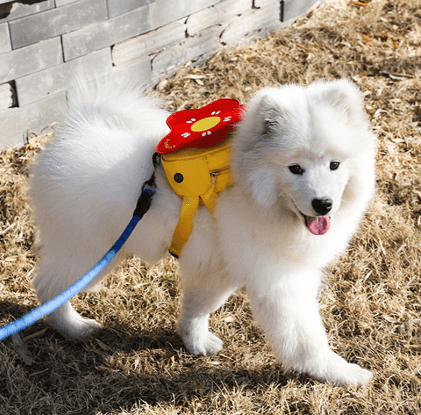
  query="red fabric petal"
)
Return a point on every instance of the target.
[{"x": 201, "y": 128}]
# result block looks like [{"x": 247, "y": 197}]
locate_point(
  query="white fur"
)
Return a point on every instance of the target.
[{"x": 85, "y": 186}]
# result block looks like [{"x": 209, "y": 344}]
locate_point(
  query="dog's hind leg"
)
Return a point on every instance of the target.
[
  {"x": 70, "y": 323},
  {"x": 55, "y": 273},
  {"x": 200, "y": 298}
]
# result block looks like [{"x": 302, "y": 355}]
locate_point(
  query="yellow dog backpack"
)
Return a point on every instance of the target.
[{"x": 196, "y": 157}]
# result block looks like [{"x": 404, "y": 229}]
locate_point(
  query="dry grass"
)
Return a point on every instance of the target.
[{"x": 371, "y": 307}]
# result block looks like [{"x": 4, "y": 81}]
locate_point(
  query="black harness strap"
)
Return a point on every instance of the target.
[{"x": 148, "y": 190}]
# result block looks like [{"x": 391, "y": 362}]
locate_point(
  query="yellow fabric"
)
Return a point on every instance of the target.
[{"x": 205, "y": 173}]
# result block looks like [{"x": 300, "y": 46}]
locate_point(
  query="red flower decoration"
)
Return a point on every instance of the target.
[{"x": 201, "y": 128}]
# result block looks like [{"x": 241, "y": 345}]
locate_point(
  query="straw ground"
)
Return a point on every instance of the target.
[{"x": 371, "y": 304}]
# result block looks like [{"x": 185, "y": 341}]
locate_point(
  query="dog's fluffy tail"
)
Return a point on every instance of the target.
[
  {"x": 115, "y": 106},
  {"x": 85, "y": 184}
]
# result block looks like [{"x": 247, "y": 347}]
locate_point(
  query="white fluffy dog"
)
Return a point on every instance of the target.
[{"x": 303, "y": 171}]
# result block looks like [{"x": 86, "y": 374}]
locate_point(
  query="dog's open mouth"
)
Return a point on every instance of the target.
[{"x": 317, "y": 225}]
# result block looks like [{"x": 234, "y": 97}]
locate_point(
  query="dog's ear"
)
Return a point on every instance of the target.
[
  {"x": 344, "y": 96},
  {"x": 272, "y": 113}
]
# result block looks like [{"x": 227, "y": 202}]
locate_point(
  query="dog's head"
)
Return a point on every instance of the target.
[{"x": 302, "y": 148}]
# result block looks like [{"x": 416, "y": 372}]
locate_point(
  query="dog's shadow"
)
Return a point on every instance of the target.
[
  {"x": 148, "y": 367},
  {"x": 14, "y": 309},
  {"x": 179, "y": 375}
]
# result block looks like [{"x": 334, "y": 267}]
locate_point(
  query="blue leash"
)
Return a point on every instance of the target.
[
  {"x": 56, "y": 302},
  {"x": 143, "y": 205}
]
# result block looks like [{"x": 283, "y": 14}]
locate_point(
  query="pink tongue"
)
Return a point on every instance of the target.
[{"x": 318, "y": 225}]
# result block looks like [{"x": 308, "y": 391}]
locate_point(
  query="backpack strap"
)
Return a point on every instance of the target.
[
  {"x": 184, "y": 226},
  {"x": 195, "y": 156},
  {"x": 197, "y": 176}
]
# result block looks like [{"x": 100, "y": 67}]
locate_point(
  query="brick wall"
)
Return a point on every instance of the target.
[{"x": 47, "y": 45}]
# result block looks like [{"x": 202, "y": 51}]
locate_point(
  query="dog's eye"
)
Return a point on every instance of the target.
[
  {"x": 334, "y": 165},
  {"x": 296, "y": 169}
]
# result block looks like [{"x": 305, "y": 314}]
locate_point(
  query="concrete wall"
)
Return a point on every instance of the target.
[{"x": 45, "y": 45}]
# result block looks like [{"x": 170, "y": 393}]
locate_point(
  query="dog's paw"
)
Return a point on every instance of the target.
[
  {"x": 337, "y": 370},
  {"x": 72, "y": 325},
  {"x": 352, "y": 375},
  {"x": 207, "y": 344},
  {"x": 83, "y": 328}
]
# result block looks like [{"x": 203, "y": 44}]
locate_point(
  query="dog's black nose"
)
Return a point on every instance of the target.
[{"x": 322, "y": 206}]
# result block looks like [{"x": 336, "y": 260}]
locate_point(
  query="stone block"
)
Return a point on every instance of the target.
[
  {"x": 140, "y": 73},
  {"x": 51, "y": 81},
  {"x": 16, "y": 140},
  {"x": 60, "y": 3},
  {"x": 52, "y": 23},
  {"x": 258, "y": 4},
  {"x": 141, "y": 46},
  {"x": 13, "y": 10},
  {"x": 294, "y": 9},
  {"x": 5, "y": 44},
  {"x": 34, "y": 117},
  {"x": 30, "y": 59},
  {"x": 108, "y": 33},
  {"x": 166, "y": 11},
  {"x": 192, "y": 47},
  {"x": 6, "y": 96},
  {"x": 251, "y": 22},
  {"x": 118, "y": 7},
  {"x": 216, "y": 15}
]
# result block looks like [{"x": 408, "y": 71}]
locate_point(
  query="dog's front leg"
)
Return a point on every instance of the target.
[
  {"x": 201, "y": 296},
  {"x": 286, "y": 307}
]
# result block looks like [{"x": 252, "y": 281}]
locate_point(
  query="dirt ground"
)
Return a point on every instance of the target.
[{"x": 371, "y": 306}]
